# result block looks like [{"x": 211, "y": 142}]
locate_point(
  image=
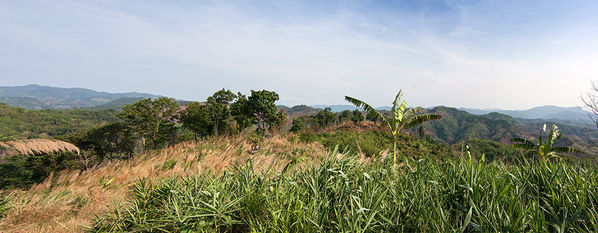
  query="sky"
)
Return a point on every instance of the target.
[{"x": 476, "y": 54}]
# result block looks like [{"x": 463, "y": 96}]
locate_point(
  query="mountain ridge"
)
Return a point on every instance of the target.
[{"x": 34, "y": 96}]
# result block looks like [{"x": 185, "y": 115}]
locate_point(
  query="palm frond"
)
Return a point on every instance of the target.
[
  {"x": 418, "y": 119},
  {"x": 398, "y": 113},
  {"x": 564, "y": 149},
  {"x": 396, "y": 105},
  {"x": 366, "y": 107},
  {"x": 523, "y": 143},
  {"x": 397, "y": 101},
  {"x": 412, "y": 112}
]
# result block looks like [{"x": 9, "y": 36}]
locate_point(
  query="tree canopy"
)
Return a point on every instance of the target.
[{"x": 148, "y": 117}]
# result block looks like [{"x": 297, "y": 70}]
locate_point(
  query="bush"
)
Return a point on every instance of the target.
[{"x": 22, "y": 171}]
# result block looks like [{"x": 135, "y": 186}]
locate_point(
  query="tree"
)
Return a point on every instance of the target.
[
  {"x": 147, "y": 117},
  {"x": 261, "y": 108},
  {"x": 218, "y": 105},
  {"x": 591, "y": 102},
  {"x": 324, "y": 118},
  {"x": 546, "y": 149},
  {"x": 240, "y": 112},
  {"x": 357, "y": 116},
  {"x": 345, "y": 116},
  {"x": 400, "y": 118},
  {"x": 298, "y": 124},
  {"x": 372, "y": 116},
  {"x": 197, "y": 118}
]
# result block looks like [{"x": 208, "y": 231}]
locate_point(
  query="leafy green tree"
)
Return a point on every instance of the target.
[
  {"x": 197, "y": 118},
  {"x": 280, "y": 120},
  {"x": 401, "y": 117},
  {"x": 372, "y": 116},
  {"x": 240, "y": 112},
  {"x": 298, "y": 124},
  {"x": 97, "y": 143},
  {"x": 147, "y": 118},
  {"x": 218, "y": 106},
  {"x": 544, "y": 149},
  {"x": 261, "y": 109},
  {"x": 345, "y": 116},
  {"x": 324, "y": 118},
  {"x": 357, "y": 116},
  {"x": 108, "y": 140}
]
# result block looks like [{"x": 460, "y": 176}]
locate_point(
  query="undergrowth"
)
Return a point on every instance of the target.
[{"x": 342, "y": 194}]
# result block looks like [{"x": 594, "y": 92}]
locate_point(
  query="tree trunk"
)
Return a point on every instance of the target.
[
  {"x": 155, "y": 140},
  {"x": 394, "y": 151}
]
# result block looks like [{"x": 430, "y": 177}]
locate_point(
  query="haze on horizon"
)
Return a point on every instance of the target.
[{"x": 477, "y": 54}]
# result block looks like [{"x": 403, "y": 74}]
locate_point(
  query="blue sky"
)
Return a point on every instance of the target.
[{"x": 480, "y": 54}]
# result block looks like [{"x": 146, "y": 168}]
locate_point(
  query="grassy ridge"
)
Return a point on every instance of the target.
[{"x": 346, "y": 195}]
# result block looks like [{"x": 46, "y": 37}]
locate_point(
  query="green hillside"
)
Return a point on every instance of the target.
[
  {"x": 457, "y": 126},
  {"x": 116, "y": 104},
  {"x": 19, "y": 123}
]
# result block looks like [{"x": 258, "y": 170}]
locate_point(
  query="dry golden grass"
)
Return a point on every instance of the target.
[
  {"x": 36, "y": 146},
  {"x": 70, "y": 200}
]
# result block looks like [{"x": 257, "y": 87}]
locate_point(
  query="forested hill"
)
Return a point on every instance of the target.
[
  {"x": 20, "y": 123},
  {"x": 45, "y": 97},
  {"x": 457, "y": 125},
  {"x": 568, "y": 115}
]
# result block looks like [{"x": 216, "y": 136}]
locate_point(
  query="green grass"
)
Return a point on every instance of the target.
[{"x": 343, "y": 195}]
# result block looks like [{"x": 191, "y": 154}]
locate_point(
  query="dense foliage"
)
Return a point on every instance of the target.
[
  {"x": 371, "y": 142},
  {"x": 149, "y": 117},
  {"x": 19, "y": 123},
  {"x": 456, "y": 195},
  {"x": 24, "y": 171}
]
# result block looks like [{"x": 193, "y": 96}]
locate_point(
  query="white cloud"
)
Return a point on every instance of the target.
[{"x": 307, "y": 57}]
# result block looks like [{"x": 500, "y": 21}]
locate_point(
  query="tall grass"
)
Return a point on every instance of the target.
[
  {"x": 36, "y": 146},
  {"x": 70, "y": 200},
  {"x": 345, "y": 195}
]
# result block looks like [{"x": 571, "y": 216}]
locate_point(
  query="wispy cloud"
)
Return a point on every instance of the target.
[{"x": 481, "y": 54}]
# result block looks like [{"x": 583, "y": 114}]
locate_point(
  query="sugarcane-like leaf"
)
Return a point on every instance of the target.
[
  {"x": 563, "y": 149},
  {"x": 366, "y": 107},
  {"x": 412, "y": 112},
  {"x": 397, "y": 102},
  {"x": 523, "y": 143},
  {"x": 418, "y": 119}
]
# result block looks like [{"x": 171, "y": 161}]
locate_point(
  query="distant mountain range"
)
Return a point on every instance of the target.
[
  {"x": 542, "y": 112},
  {"x": 45, "y": 97},
  {"x": 567, "y": 115}
]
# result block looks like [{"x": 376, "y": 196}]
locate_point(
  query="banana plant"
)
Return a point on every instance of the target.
[
  {"x": 400, "y": 117},
  {"x": 544, "y": 149}
]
